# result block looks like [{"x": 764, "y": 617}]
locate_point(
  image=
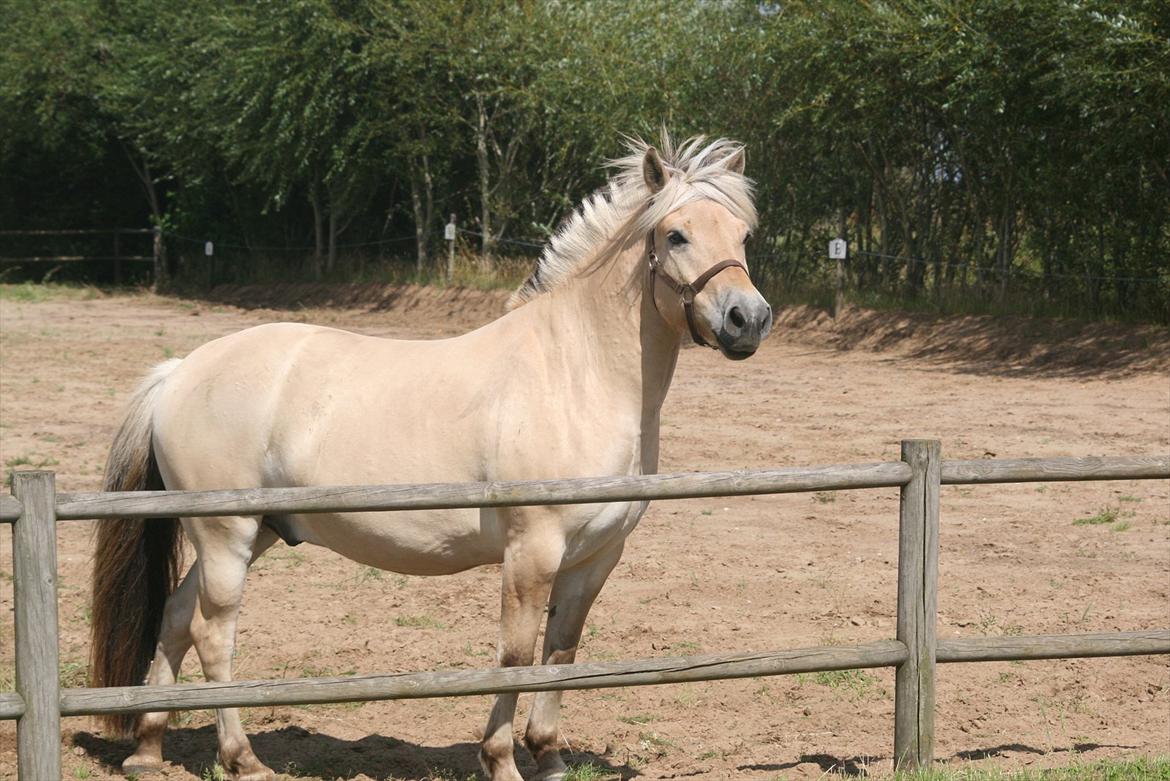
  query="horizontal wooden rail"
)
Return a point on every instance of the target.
[
  {"x": 77, "y": 232},
  {"x": 1045, "y": 470},
  {"x": 136, "y": 699},
  {"x": 255, "y": 501},
  {"x": 75, "y": 258},
  {"x": 11, "y": 706},
  {"x": 450, "y": 683},
  {"x": 587, "y": 490},
  {"x": 1024, "y": 647}
]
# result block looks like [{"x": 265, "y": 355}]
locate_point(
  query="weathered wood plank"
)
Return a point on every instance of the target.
[
  {"x": 76, "y": 232},
  {"x": 74, "y": 258},
  {"x": 11, "y": 707},
  {"x": 256, "y": 501},
  {"x": 679, "y": 486},
  {"x": 598, "y": 675},
  {"x": 34, "y": 576},
  {"x": 1023, "y": 647},
  {"x": 1044, "y": 470},
  {"x": 917, "y": 606}
]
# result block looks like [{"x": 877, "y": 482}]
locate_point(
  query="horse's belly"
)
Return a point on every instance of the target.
[{"x": 432, "y": 542}]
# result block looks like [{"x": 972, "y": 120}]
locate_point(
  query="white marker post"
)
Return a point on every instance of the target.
[
  {"x": 838, "y": 251},
  {"x": 449, "y": 235},
  {"x": 209, "y": 252}
]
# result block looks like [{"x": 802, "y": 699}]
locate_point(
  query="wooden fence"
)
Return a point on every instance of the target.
[
  {"x": 38, "y": 703},
  {"x": 116, "y": 256}
]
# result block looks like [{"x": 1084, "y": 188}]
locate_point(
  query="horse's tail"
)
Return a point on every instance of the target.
[{"x": 136, "y": 561}]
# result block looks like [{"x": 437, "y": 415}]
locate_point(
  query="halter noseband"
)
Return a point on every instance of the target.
[{"x": 686, "y": 292}]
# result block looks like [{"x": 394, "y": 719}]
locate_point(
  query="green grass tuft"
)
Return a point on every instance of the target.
[{"x": 1104, "y": 515}]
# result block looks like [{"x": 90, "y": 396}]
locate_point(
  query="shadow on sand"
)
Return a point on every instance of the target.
[{"x": 294, "y": 752}]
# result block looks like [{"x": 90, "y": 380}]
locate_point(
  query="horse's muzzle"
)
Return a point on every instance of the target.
[{"x": 747, "y": 319}]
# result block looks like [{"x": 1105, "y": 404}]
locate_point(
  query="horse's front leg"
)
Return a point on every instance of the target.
[
  {"x": 530, "y": 564},
  {"x": 573, "y": 594}
]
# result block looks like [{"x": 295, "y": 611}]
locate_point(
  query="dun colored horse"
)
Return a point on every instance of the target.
[{"x": 570, "y": 382}]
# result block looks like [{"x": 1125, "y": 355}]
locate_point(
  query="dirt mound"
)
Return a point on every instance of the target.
[
  {"x": 448, "y": 302},
  {"x": 984, "y": 344},
  {"x": 989, "y": 344}
]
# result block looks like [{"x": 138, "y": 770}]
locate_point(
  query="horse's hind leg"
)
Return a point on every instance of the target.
[
  {"x": 573, "y": 594},
  {"x": 175, "y": 638},
  {"x": 173, "y": 643},
  {"x": 225, "y": 547}
]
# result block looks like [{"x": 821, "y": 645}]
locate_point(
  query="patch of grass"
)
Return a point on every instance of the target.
[
  {"x": 73, "y": 674},
  {"x": 82, "y": 772},
  {"x": 638, "y": 718},
  {"x": 369, "y": 573},
  {"x": 590, "y": 772},
  {"x": 825, "y": 497},
  {"x": 36, "y": 462},
  {"x": 1120, "y": 526},
  {"x": 1143, "y": 769},
  {"x": 1104, "y": 515},
  {"x": 1129, "y": 498},
  {"x": 213, "y": 773},
  {"x": 33, "y": 293},
  {"x": 654, "y": 740},
  {"x": 418, "y": 622},
  {"x": 858, "y": 684}
]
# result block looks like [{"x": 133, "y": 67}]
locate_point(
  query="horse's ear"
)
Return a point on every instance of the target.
[
  {"x": 654, "y": 170},
  {"x": 734, "y": 161}
]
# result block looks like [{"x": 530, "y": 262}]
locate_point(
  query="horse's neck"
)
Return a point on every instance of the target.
[{"x": 616, "y": 330}]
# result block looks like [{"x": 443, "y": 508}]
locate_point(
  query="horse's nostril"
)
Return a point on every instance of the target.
[{"x": 736, "y": 317}]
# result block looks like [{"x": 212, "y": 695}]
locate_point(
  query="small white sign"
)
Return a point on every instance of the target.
[
  {"x": 209, "y": 249},
  {"x": 449, "y": 232},
  {"x": 837, "y": 249}
]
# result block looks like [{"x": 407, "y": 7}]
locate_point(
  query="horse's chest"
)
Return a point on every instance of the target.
[{"x": 593, "y": 527}]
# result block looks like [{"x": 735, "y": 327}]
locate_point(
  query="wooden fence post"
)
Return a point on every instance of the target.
[
  {"x": 917, "y": 605},
  {"x": 34, "y": 570},
  {"x": 117, "y": 257},
  {"x": 449, "y": 233},
  {"x": 160, "y": 260}
]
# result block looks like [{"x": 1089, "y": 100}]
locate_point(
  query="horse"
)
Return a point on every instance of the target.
[{"x": 569, "y": 382}]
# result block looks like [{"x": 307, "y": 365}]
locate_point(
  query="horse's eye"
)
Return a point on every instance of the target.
[
  {"x": 676, "y": 239},
  {"x": 746, "y": 236}
]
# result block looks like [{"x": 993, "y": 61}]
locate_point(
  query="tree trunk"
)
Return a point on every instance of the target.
[
  {"x": 422, "y": 201},
  {"x": 483, "y": 169},
  {"x": 331, "y": 263},
  {"x": 318, "y": 237}
]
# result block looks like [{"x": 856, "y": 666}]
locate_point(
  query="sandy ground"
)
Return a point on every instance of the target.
[{"x": 698, "y": 576}]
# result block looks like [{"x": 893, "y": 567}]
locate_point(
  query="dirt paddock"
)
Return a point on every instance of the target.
[{"x": 698, "y": 576}]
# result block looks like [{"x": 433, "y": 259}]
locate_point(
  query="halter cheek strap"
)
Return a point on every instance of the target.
[{"x": 687, "y": 292}]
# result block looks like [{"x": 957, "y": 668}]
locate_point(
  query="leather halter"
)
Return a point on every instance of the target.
[{"x": 686, "y": 292}]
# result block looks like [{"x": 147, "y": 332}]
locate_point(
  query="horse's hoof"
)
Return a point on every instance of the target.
[
  {"x": 247, "y": 768},
  {"x": 137, "y": 765},
  {"x": 552, "y": 774},
  {"x": 255, "y": 773}
]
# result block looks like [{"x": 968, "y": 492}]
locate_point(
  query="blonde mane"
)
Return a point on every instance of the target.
[{"x": 625, "y": 207}]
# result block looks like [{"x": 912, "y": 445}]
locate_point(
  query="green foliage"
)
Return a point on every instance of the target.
[{"x": 983, "y": 156}]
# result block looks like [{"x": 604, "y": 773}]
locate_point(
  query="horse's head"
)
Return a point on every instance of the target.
[{"x": 695, "y": 253}]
